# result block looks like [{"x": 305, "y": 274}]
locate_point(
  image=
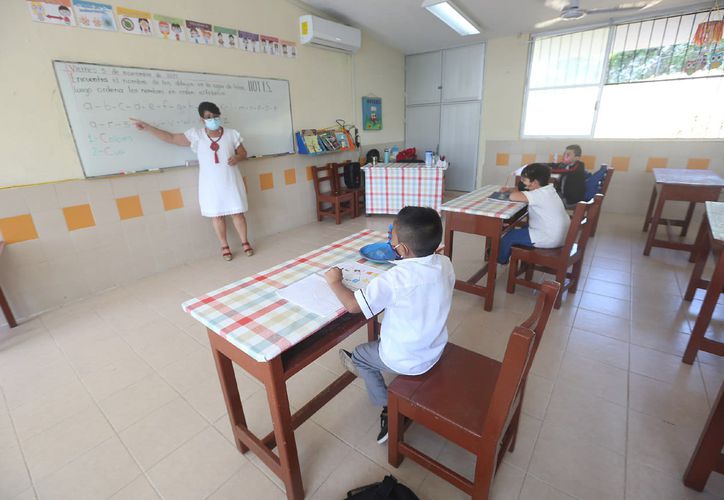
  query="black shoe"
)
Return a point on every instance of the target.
[{"x": 382, "y": 436}]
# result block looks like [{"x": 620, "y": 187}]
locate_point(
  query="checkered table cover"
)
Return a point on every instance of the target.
[
  {"x": 687, "y": 177},
  {"x": 715, "y": 214},
  {"x": 391, "y": 186},
  {"x": 477, "y": 203},
  {"x": 249, "y": 313}
]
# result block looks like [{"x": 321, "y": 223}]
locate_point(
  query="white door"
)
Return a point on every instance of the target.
[
  {"x": 459, "y": 134},
  {"x": 422, "y": 78},
  {"x": 462, "y": 74},
  {"x": 422, "y": 128}
]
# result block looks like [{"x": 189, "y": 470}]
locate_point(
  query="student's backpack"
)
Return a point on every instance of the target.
[
  {"x": 352, "y": 175},
  {"x": 388, "y": 489},
  {"x": 594, "y": 182},
  {"x": 372, "y": 153}
]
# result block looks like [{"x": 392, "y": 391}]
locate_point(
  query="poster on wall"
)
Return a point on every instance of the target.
[
  {"x": 199, "y": 33},
  {"x": 52, "y": 12},
  {"x": 224, "y": 37},
  {"x": 94, "y": 15},
  {"x": 269, "y": 44},
  {"x": 249, "y": 41},
  {"x": 289, "y": 48},
  {"x": 135, "y": 22},
  {"x": 372, "y": 113},
  {"x": 169, "y": 28}
]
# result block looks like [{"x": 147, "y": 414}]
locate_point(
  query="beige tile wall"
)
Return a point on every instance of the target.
[{"x": 84, "y": 240}]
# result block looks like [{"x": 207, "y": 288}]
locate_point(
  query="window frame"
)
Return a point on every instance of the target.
[{"x": 602, "y": 82}]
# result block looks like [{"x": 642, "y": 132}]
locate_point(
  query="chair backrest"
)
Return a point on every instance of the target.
[
  {"x": 584, "y": 214},
  {"x": 323, "y": 174},
  {"x": 538, "y": 319},
  {"x": 507, "y": 391},
  {"x": 607, "y": 180}
]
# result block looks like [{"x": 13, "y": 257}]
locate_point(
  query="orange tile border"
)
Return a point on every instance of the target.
[
  {"x": 172, "y": 199},
  {"x": 528, "y": 158},
  {"x": 129, "y": 207},
  {"x": 589, "y": 161},
  {"x": 266, "y": 181},
  {"x": 18, "y": 228},
  {"x": 290, "y": 176},
  {"x": 310, "y": 174},
  {"x": 502, "y": 159},
  {"x": 621, "y": 163},
  {"x": 697, "y": 163},
  {"x": 656, "y": 162},
  {"x": 78, "y": 217}
]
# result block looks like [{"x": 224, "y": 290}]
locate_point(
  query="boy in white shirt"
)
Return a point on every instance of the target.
[
  {"x": 548, "y": 220},
  {"x": 416, "y": 296}
]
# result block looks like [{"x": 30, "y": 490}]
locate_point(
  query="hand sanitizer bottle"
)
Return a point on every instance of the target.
[{"x": 387, "y": 155}]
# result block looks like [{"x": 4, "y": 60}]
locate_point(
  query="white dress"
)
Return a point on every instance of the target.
[{"x": 221, "y": 187}]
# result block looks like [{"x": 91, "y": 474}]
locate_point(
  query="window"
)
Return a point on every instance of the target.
[{"x": 661, "y": 78}]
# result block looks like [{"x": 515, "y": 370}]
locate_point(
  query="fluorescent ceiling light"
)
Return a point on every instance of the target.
[{"x": 451, "y": 15}]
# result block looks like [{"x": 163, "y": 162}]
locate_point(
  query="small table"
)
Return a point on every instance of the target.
[
  {"x": 391, "y": 186},
  {"x": 272, "y": 339},
  {"x": 709, "y": 238},
  {"x": 475, "y": 213},
  {"x": 677, "y": 184},
  {"x": 4, "y": 302}
]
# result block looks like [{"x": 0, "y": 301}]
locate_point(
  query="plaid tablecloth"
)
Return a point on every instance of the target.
[
  {"x": 392, "y": 186},
  {"x": 477, "y": 203},
  {"x": 249, "y": 313}
]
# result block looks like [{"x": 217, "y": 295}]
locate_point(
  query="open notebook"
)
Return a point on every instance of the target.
[
  {"x": 313, "y": 294},
  {"x": 500, "y": 195}
]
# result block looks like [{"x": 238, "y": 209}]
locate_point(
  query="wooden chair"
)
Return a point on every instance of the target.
[
  {"x": 556, "y": 261},
  {"x": 471, "y": 400},
  {"x": 359, "y": 193},
  {"x": 341, "y": 202},
  {"x": 604, "y": 191}
]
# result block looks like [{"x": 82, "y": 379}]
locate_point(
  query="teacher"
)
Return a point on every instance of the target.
[{"x": 221, "y": 187}]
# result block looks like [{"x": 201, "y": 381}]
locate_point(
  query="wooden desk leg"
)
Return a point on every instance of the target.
[
  {"x": 654, "y": 225},
  {"x": 6, "y": 310},
  {"x": 699, "y": 254},
  {"x": 448, "y": 243},
  {"x": 687, "y": 219},
  {"x": 373, "y": 329},
  {"x": 707, "y": 308},
  {"x": 650, "y": 209},
  {"x": 492, "y": 270},
  {"x": 276, "y": 391},
  {"x": 225, "y": 368},
  {"x": 707, "y": 456}
]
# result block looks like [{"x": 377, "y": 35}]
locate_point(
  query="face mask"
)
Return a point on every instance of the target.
[{"x": 213, "y": 123}]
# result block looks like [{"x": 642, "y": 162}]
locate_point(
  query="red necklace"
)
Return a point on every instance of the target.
[{"x": 215, "y": 144}]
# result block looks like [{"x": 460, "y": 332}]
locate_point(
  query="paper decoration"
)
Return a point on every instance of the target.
[
  {"x": 135, "y": 22},
  {"x": 249, "y": 42},
  {"x": 169, "y": 28},
  {"x": 225, "y": 37},
  {"x": 269, "y": 45},
  {"x": 199, "y": 33},
  {"x": 289, "y": 48},
  {"x": 93, "y": 15},
  {"x": 372, "y": 113},
  {"x": 52, "y": 12}
]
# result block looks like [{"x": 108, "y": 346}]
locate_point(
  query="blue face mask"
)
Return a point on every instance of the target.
[{"x": 213, "y": 123}]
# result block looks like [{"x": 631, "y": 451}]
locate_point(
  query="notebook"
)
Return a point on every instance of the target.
[{"x": 500, "y": 195}]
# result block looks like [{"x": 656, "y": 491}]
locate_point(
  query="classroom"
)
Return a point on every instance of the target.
[{"x": 214, "y": 238}]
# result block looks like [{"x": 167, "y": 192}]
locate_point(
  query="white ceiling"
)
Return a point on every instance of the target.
[{"x": 404, "y": 24}]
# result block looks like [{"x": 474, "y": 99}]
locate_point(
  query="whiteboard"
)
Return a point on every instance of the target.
[{"x": 100, "y": 99}]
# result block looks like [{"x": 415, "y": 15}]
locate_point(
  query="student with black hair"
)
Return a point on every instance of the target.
[
  {"x": 548, "y": 220},
  {"x": 221, "y": 187},
  {"x": 572, "y": 182},
  {"x": 416, "y": 296}
]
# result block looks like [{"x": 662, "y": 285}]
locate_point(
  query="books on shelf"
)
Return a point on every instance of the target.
[{"x": 317, "y": 141}]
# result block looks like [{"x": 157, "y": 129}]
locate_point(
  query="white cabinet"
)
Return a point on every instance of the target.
[{"x": 422, "y": 78}]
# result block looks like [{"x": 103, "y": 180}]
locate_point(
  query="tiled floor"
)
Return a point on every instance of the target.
[{"x": 117, "y": 396}]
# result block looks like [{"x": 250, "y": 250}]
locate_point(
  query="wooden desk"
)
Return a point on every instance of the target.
[
  {"x": 475, "y": 213},
  {"x": 709, "y": 238},
  {"x": 272, "y": 339},
  {"x": 707, "y": 456},
  {"x": 676, "y": 184},
  {"x": 4, "y": 302}
]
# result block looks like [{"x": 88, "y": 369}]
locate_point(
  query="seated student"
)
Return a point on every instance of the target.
[
  {"x": 548, "y": 219},
  {"x": 416, "y": 296},
  {"x": 572, "y": 183}
]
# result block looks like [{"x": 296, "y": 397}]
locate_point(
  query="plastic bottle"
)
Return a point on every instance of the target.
[{"x": 387, "y": 155}]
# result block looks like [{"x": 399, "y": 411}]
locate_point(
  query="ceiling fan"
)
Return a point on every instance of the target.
[{"x": 570, "y": 10}]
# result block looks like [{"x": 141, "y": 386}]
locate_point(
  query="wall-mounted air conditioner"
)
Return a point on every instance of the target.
[{"x": 324, "y": 34}]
